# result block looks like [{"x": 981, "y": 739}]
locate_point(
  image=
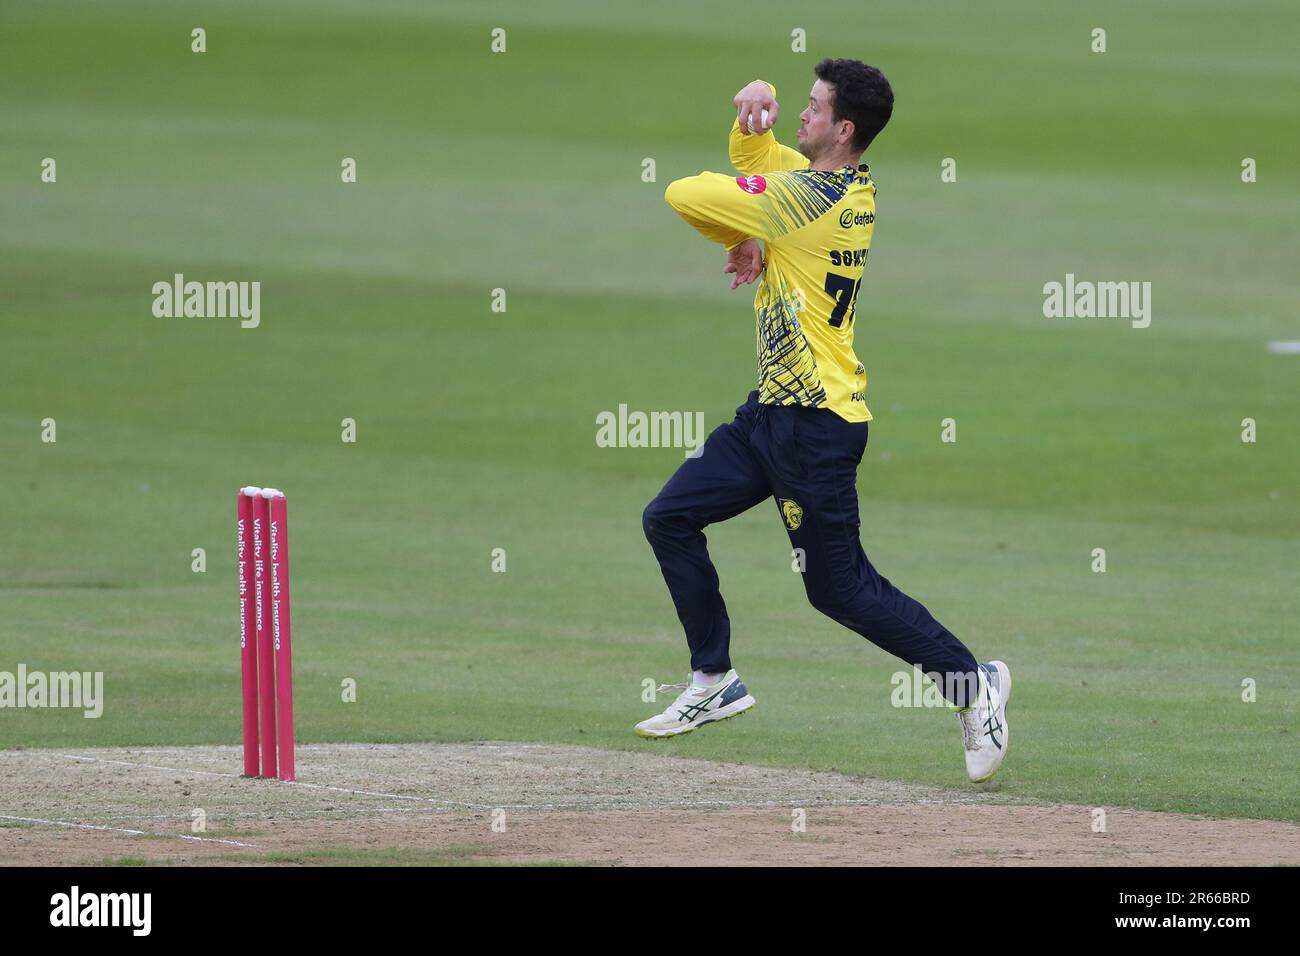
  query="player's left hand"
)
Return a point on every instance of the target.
[{"x": 746, "y": 261}]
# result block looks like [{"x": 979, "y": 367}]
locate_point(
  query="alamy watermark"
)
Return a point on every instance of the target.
[
  {"x": 133, "y": 911},
  {"x": 1084, "y": 299},
  {"x": 915, "y": 689},
  {"x": 208, "y": 300},
  {"x": 633, "y": 429},
  {"x": 56, "y": 689}
]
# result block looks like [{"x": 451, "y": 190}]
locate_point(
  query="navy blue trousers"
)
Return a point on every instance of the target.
[{"x": 807, "y": 459}]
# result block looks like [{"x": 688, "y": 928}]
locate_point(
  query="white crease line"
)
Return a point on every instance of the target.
[
  {"x": 91, "y": 826},
  {"x": 793, "y": 800},
  {"x": 287, "y": 783},
  {"x": 147, "y": 766},
  {"x": 385, "y": 796}
]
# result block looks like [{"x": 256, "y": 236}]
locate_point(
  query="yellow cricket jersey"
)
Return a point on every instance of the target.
[{"x": 817, "y": 228}]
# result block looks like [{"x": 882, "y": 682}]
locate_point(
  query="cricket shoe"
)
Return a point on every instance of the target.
[
  {"x": 984, "y": 723},
  {"x": 697, "y": 706}
]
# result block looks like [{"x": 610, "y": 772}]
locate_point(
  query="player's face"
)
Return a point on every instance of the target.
[{"x": 817, "y": 130}]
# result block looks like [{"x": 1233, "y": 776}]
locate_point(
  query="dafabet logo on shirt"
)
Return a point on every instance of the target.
[{"x": 751, "y": 184}]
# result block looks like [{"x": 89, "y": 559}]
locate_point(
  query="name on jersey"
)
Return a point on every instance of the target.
[{"x": 848, "y": 257}]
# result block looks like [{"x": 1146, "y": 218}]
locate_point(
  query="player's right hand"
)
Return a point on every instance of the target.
[
  {"x": 750, "y": 103},
  {"x": 746, "y": 261}
]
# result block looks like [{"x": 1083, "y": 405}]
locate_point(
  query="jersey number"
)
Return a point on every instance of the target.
[{"x": 845, "y": 292}]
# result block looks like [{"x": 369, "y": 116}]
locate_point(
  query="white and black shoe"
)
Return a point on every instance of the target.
[
  {"x": 697, "y": 706},
  {"x": 984, "y": 723}
]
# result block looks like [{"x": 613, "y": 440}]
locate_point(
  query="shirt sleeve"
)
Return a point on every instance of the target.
[
  {"x": 760, "y": 152},
  {"x": 720, "y": 208},
  {"x": 730, "y": 209}
]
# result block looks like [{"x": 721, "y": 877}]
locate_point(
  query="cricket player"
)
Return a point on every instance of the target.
[{"x": 801, "y": 434}]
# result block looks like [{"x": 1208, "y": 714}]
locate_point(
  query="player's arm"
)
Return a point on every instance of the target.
[
  {"x": 721, "y": 208},
  {"x": 759, "y": 152}
]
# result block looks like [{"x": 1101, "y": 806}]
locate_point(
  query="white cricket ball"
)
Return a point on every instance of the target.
[{"x": 762, "y": 120}]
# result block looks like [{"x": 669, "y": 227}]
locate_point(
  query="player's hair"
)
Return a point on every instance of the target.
[{"x": 862, "y": 96}]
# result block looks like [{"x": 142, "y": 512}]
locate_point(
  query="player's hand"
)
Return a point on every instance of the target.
[
  {"x": 746, "y": 261},
  {"x": 750, "y": 103}
]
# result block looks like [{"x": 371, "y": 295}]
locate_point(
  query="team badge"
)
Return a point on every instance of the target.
[
  {"x": 751, "y": 184},
  {"x": 792, "y": 513}
]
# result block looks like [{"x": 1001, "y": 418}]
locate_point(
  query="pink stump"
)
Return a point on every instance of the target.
[
  {"x": 280, "y": 629},
  {"x": 265, "y": 649},
  {"x": 247, "y": 631}
]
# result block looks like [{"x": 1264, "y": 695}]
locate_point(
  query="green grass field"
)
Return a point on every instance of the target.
[{"x": 476, "y": 430}]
